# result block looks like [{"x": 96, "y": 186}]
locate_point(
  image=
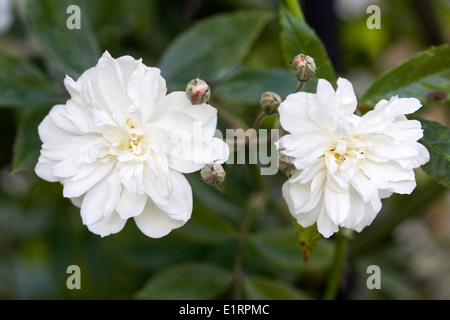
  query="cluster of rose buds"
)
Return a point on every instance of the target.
[{"x": 198, "y": 92}]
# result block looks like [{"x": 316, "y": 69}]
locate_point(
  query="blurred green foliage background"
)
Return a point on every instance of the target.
[{"x": 242, "y": 240}]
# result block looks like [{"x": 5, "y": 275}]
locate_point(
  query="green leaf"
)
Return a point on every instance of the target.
[
  {"x": 187, "y": 282},
  {"x": 73, "y": 50},
  {"x": 436, "y": 138},
  {"x": 298, "y": 37},
  {"x": 260, "y": 288},
  {"x": 425, "y": 76},
  {"x": 213, "y": 47},
  {"x": 294, "y": 7},
  {"x": 281, "y": 248},
  {"x": 22, "y": 85},
  {"x": 248, "y": 85},
  {"x": 27, "y": 144},
  {"x": 222, "y": 204},
  {"x": 207, "y": 227},
  {"x": 307, "y": 237}
]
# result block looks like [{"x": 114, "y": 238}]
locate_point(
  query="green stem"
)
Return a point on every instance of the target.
[
  {"x": 255, "y": 206},
  {"x": 258, "y": 120},
  {"x": 234, "y": 121},
  {"x": 238, "y": 274},
  {"x": 300, "y": 86},
  {"x": 294, "y": 7},
  {"x": 334, "y": 277}
]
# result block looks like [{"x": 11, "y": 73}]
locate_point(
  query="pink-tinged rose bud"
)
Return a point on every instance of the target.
[
  {"x": 198, "y": 91},
  {"x": 213, "y": 174},
  {"x": 304, "y": 67}
]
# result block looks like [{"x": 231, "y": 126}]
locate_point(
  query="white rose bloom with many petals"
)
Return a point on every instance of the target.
[
  {"x": 345, "y": 163},
  {"x": 120, "y": 146}
]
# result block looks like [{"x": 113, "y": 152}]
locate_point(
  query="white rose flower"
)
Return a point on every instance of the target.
[
  {"x": 345, "y": 163},
  {"x": 120, "y": 147}
]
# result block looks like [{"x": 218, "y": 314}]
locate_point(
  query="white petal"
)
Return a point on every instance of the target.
[
  {"x": 346, "y": 96},
  {"x": 156, "y": 223},
  {"x": 305, "y": 148},
  {"x": 388, "y": 175},
  {"x": 385, "y": 147},
  {"x": 375, "y": 203},
  {"x": 156, "y": 185},
  {"x": 144, "y": 89},
  {"x": 369, "y": 216},
  {"x": 383, "y": 194},
  {"x": 385, "y": 113},
  {"x": 358, "y": 208},
  {"x": 191, "y": 156},
  {"x": 77, "y": 201},
  {"x": 333, "y": 111},
  {"x": 371, "y": 123},
  {"x": 55, "y": 124},
  {"x": 127, "y": 65},
  {"x": 323, "y": 113},
  {"x": 69, "y": 167},
  {"x": 294, "y": 117},
  {"x": 130, "y": 204},
  {"x": 400, "y": 106},
  {"x": 364, "y": 187},
  {"x": 76, "y": 188},
  {"x": 286, "y": 192},
  {"x": 107, "y": 225},
  {"x": 59, "y": 148},
  {"x": 101, "y": 199},
  {"x": 422, "y": 158},
  {"x": 337, "y": 205},
  {"x": 325, "y": 90},
  {"x": 180, "y": 200},
  {"x": 161, "y": 141},
  {"x": 306, "y": 219},
  {"x": 404, "y": 130},
  {"x": 306, "y": 196},
  {"x": 132, "y": 177},
  {"x": 402, "y": 187},
  {"x": 70, "y": 124},
  {"x": 175, "y": 113},
  {"x": 108, "y": 85},
  {"x": 76, "y": 88},
  {"x": 325, "y": 225},
  {"x": 171, "y": 192},
  {"x": 44, "y": 169},
  {"x": 309, "y": 173},
  {"x": 102, "y": 118},
  {"x": 299, "y": 194}
]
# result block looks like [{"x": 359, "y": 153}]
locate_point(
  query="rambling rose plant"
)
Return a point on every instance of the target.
[{"x": 310, "y": 162}]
